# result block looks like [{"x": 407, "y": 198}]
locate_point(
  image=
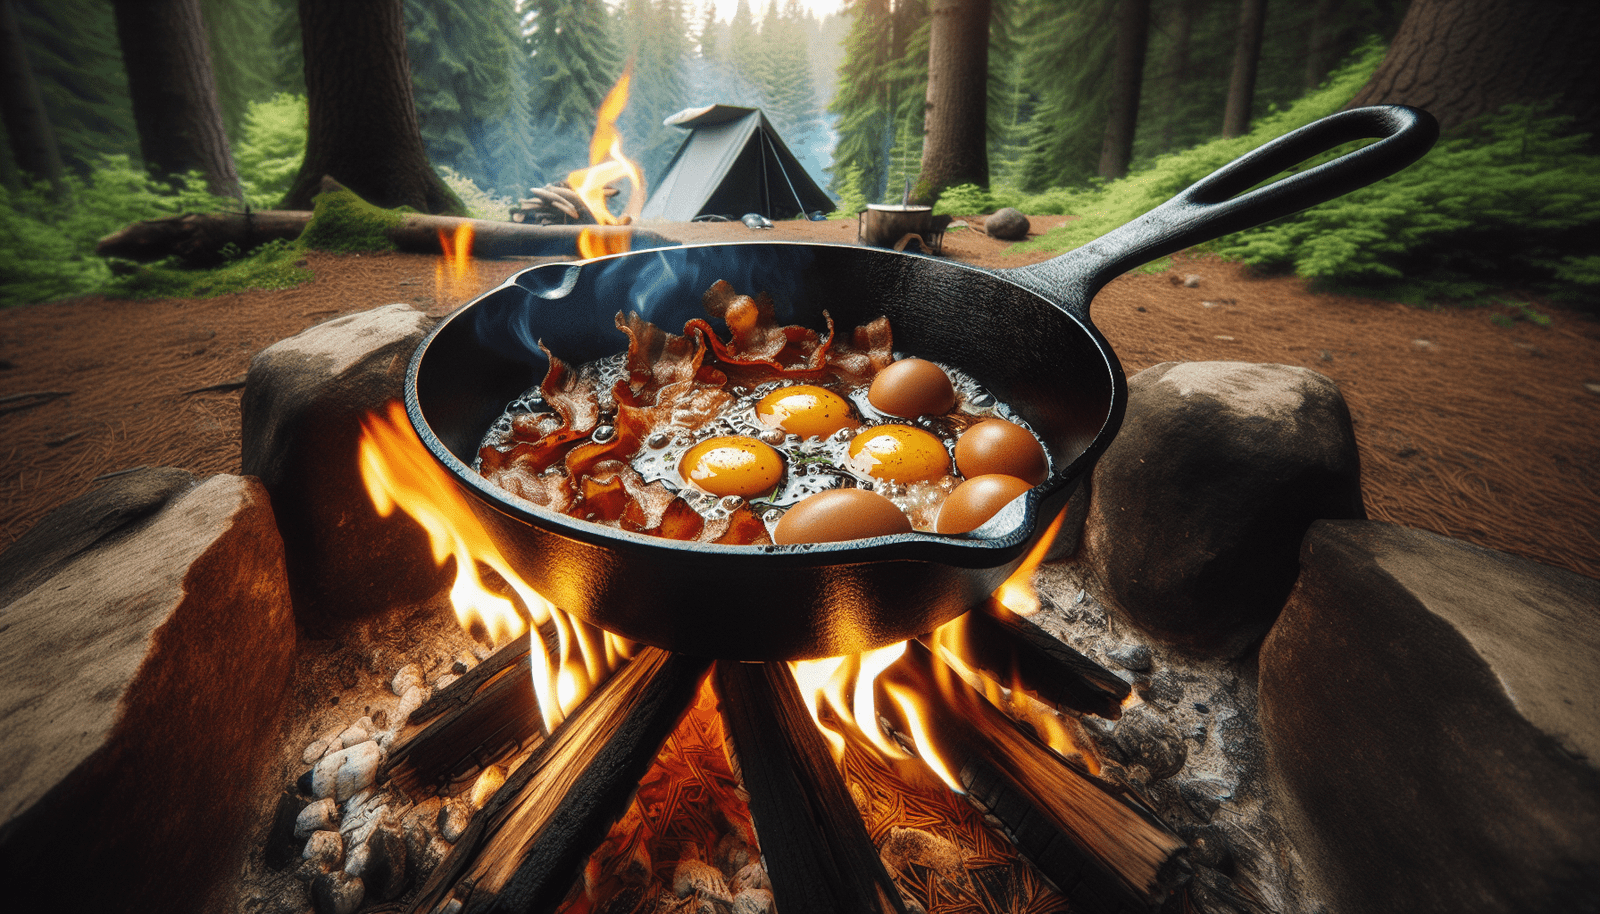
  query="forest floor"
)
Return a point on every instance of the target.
[{"x": 1467, "y": 428}]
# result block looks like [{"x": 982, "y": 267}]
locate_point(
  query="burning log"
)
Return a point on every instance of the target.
[
  {"x": 1098, "y": 846},
  {"x": 818, "y": 853},
  {"x": 526, "y": 847},
  {"x": 476, "y": 721},
  {"x": 1007, "y": 647}
]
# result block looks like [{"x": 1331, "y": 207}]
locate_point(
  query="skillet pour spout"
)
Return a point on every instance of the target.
[{"x": 1024, "y": 334}]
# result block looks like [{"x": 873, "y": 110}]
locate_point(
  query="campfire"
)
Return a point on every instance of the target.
[{"x": 796, "y": 772}]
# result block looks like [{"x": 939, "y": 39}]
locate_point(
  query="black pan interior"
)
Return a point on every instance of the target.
[{"x": 1055, "y": 371}]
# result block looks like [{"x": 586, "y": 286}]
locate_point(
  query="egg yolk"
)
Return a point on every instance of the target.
[
  {"x": 805, "y": 410},
  {"x": 899, "y": 453},
  {"x": 732, "y": 465}
]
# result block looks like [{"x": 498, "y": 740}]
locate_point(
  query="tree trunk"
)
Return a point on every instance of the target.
[
  {"x": 955, "y": 148},
  {"x": 173, "y": 91},
  {"x": 1459, "y": 59},
  {"x": 1184, "y": 14},
  {"x": 1319, "y": 42},
  {"x": 1127, "y": 77},
  {"x": 1246, "y": 55},
  {"x": 363, "y": 127},
  {"x": 33, "y": 140}
]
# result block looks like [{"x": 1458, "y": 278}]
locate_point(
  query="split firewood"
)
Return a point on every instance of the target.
[
  {"x": 1100, "y": 845},
  {"x": 524, "y": 850},
  {"x": 819, "y": 856},
  {"x": 1010, "y": 649}
]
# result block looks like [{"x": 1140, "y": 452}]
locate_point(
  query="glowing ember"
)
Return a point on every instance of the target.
[
  {"x": 399, "y": 473},
  {"x": 606, "y": 165},
  {"x": 1017, "y": 593},
  {"x": 455, "y": 276}
]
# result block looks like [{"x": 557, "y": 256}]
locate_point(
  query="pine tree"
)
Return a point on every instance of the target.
[
  {"x": 240, "y": 33},
  {"x": 1071, "y": 41},
  {"x": 574, "y": 63},
  {"x": 788, "y": 98},
  {"x": 654, "y": 37},
  {"x": 471, "y": 98},
  {"x": 72, "y": 45},
  {"x": 861, "y": 101}
]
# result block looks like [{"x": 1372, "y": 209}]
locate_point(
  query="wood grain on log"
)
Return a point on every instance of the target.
[
  {"x": 525, "y": 848},
  {"x": 1092, "y": 840},
  {"x": 815, "y": 845}
]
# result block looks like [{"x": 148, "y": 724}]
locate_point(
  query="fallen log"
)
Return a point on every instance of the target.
[
  {"x": 198, "y": 239},
  {"x": 816, "y": 848},
  {"x": 1097, "y": 844},
  {"x": 524, "y": 850}
]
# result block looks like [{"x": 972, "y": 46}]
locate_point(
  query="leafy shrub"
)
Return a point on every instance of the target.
[
  {"x": 964, "y": 200},
  {"x": 277, "y": 264},
  {"x": 1504, "y": 203},
  {"x": 852, "y": 199},
  {"x": 273, "y": 146},
  {"x": 47, "y": 242}
]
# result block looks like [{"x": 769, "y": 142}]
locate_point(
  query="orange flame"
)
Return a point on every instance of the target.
[
  {"x": 606, "y": 165},
  {"x": 1016, "y": 593},
  {"x": 400, "y": 474},
  {"x": 455, "y": 276}
]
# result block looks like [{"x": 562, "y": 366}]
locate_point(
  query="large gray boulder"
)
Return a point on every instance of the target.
[
  {"x": 1195, "y": 512},
  {"x": 148, "y": 646},
  {"x": 303, "y": 403},
  {"x": 1429, "y": 709}
]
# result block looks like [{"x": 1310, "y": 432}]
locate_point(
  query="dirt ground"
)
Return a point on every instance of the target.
[{"x": 1486, "y": 433}]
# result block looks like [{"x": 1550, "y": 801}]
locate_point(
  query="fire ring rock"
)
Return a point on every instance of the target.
[
  {"x": 1428, "y": 708},
  {"x": 304, "y": 400},
  {"x": 1195, "y": 512},
  {"x": 147, "y": 650}
]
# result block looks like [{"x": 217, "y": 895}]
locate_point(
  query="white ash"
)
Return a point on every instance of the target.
[
  {"x": 692, "y": 876},
  {"x": 319, "y": 815},
  {"x": 751, "y": 876},
  {"x": 358, "y": 732},
  {"x": 732, "y": 854},
  {"x": 345, "y": 773},
  {"x": 405, "y": 678},
  {"x": 753, "y": 901},
  {"x": 324, "y": 849}
]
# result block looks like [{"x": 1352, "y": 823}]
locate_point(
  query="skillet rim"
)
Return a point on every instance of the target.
[{"x": 969, "y": 550}]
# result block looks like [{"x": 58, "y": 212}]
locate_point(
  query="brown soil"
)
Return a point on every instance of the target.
[{"x": 1466, "y": 428}]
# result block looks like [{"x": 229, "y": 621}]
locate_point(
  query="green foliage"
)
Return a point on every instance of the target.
[
  {"x": 480, "y": 203},
  {"x": 275, "y": 265},
  {"x": 239, "y": 33},
  {"x": 964, "y": 200},
  {"x": 1105, "y": 206},
  {"x": 343, "y": 222},
  {"x": 77, "y": 61},
  {"x": 1504, "y": 205},
  {"x": 272, "y": 147},
  {"x": 1519, "y": 311},
  {"x": 574, "y": 63},
  {"x": 47, "y": 244},
  {"x": 851, "y": 199}
]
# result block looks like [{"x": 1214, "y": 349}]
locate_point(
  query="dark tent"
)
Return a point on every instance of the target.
[{"x": 732, "y": 163}]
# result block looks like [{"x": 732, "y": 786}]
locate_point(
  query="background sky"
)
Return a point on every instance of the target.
[{"x": 725, "y": 8}]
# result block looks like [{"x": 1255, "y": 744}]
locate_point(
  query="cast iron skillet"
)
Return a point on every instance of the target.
[{"x": 1023, "y": 333}]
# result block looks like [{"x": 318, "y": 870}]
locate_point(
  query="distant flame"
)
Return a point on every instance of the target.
[
  {"x": 399, "y": 473},
  {"x": 606, "y": 165},
  {"x": 1016, "y": 593},
  {"x": 455, "y": 276}
]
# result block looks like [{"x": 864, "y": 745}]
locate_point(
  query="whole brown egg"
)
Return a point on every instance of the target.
[
  {"x": 998, "y": 446},
  {"x": 840, "y": 514},
  {"x": 910, "y": 388},
  {"x": 975, "y": 501}
]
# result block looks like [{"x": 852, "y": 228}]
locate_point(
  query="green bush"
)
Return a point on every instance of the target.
[
  {"x": 964, "y": 200},
  {"x": 480, "y": 203},
  {"x": 47, "y": 242},
  {"x": 273, "y": 146},
  {"x": 343, "y": 222},
  {"x": 851, "y": 198},
  {"x": 1504, "y": 204}
]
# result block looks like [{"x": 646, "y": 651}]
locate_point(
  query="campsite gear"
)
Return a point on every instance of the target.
[
  {"x": 733, "y": 162},
  {"x": 885, "y": 225},
  {"x": 756, "y": 221},
  {"x": 1023, "y": 333}
]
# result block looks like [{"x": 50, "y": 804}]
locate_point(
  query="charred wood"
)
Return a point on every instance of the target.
[
  {"x": 818, "y": 853},
  {"x": 526, "y": 847},
  {"x": 1100, "y": 846}
]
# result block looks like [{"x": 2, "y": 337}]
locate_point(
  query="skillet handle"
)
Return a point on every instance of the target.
[{"x": 1209, "y": 208}]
